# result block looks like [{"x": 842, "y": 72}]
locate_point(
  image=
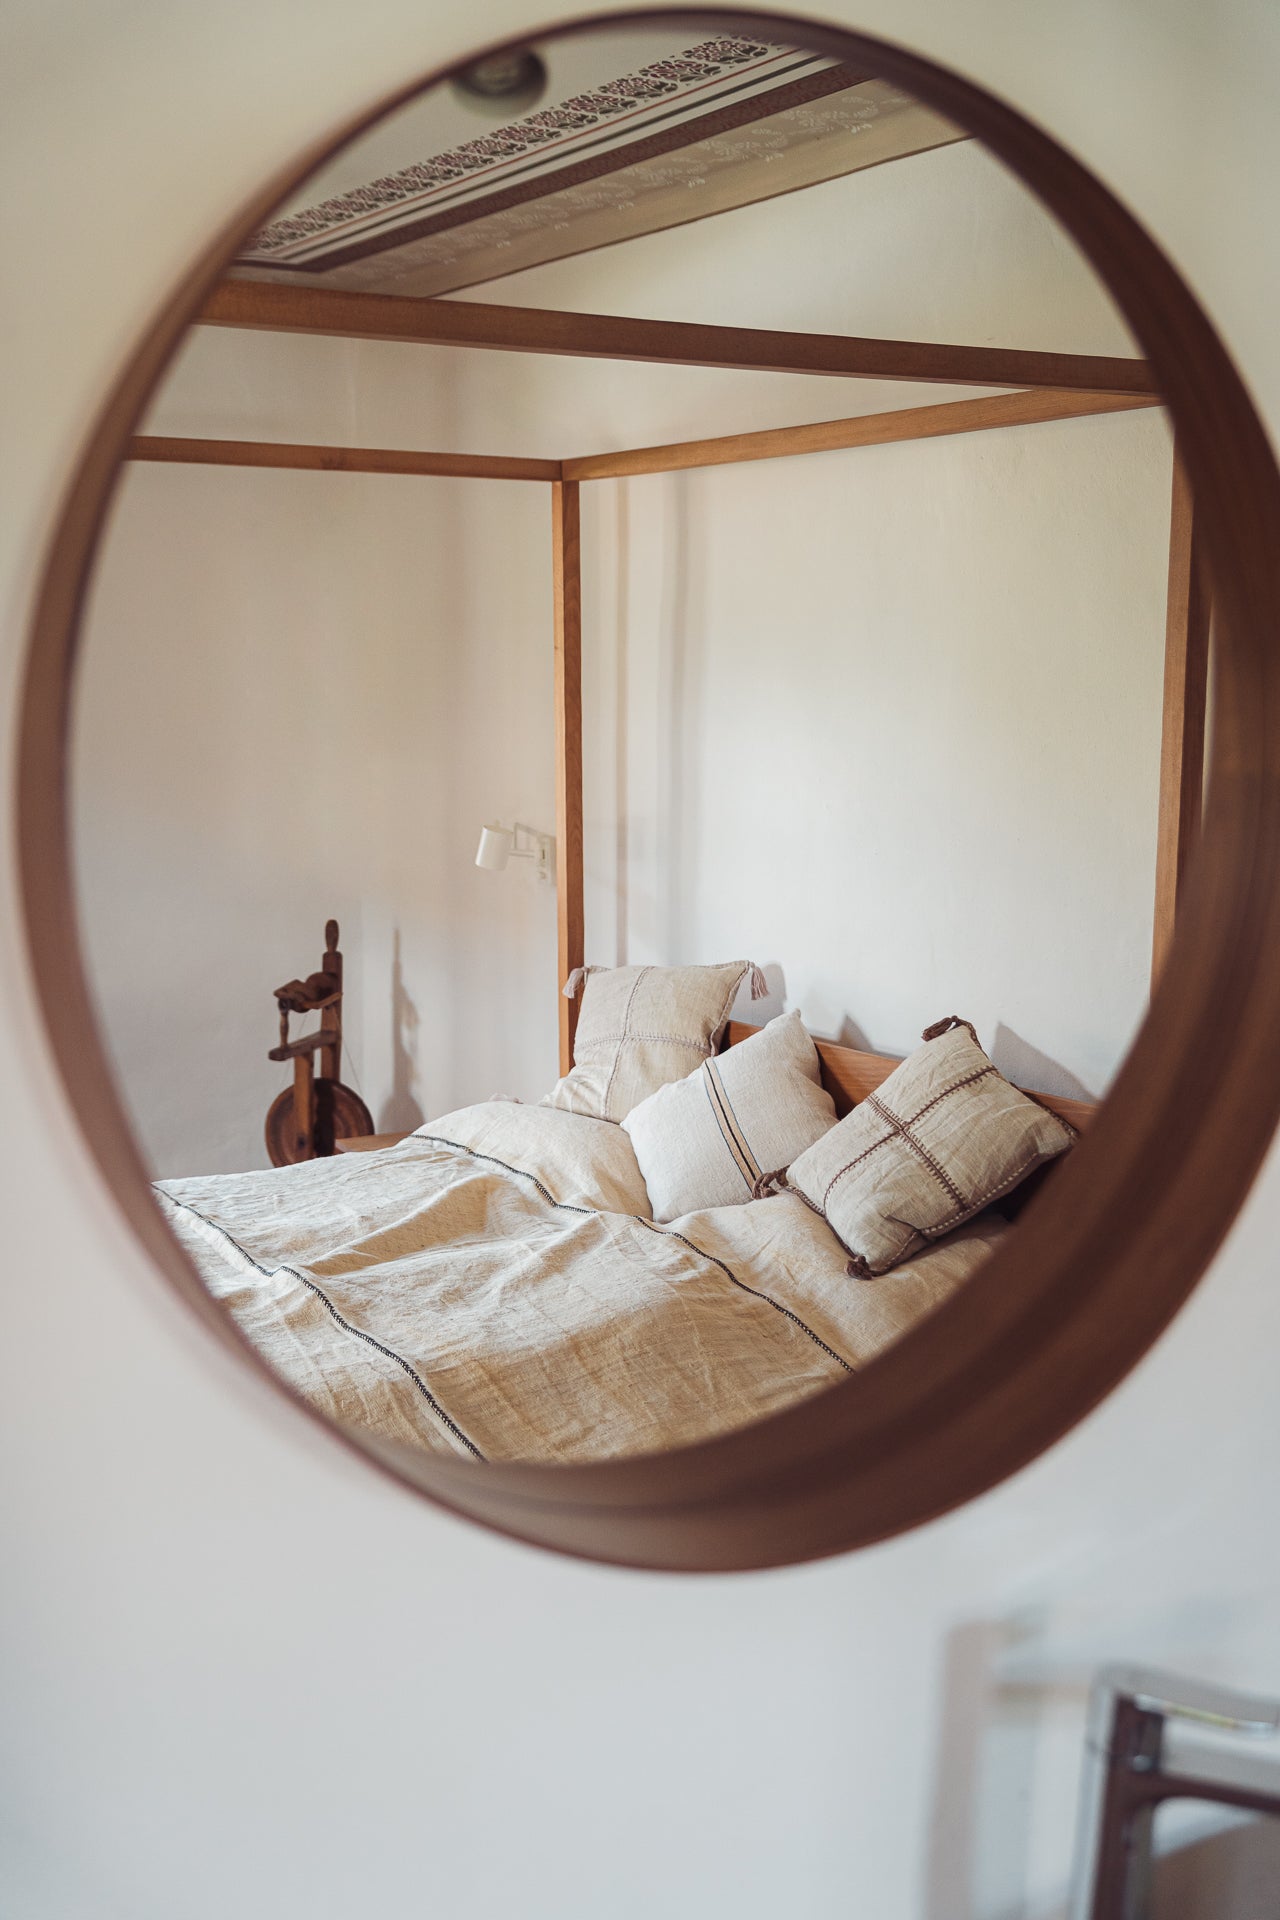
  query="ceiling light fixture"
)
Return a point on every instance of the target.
[{"x": 501, "y": 81}]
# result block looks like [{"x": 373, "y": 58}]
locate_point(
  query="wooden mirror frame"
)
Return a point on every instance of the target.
[{"x": 1105, "y": 1256}]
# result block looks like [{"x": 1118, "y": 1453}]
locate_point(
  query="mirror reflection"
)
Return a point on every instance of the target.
[{"x": 640, "y": 721}]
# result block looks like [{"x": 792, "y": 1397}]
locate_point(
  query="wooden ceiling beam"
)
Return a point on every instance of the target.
[{"x": 258, "y": 305}]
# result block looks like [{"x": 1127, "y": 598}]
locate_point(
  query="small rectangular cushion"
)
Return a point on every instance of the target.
[
  {"x": 940, "y": 1139},
  {"x": 706, "y": 1140},
  {"x": 638, "y": 1028}
]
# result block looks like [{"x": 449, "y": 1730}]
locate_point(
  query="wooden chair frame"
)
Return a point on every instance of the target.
[{"x": 1108, "y": 1251}]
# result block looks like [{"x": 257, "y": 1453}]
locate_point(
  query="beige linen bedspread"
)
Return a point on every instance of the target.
[{"x": 492, "y": 1287}]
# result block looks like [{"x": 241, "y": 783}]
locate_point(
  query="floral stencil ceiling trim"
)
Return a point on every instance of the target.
[
  {"x": 683, "y": 77},
  {"x": 715, "y": 127}
]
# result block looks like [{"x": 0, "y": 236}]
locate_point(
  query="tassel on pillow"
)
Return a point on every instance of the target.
[
  {"x": 770, "y": 1183},
  {"x": 952, "y": 1021}
]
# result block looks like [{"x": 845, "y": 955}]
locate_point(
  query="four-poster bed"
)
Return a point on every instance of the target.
[
  {"x": 1047, "y": 387},
  {"x": 621, "y": 1326}
]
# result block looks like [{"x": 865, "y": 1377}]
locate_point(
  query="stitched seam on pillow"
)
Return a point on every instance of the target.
[
  {"x": 658, "y": 1039},
  {"x": 980, "y": 1073},
  {"x": 1030, "y": 1161},
  {"x": 663, "y": 1039},
  {"x": 811, "y": 1204},
  {"x": 721, "y": 1120},
  {"x": 753, "y": 1164},
  {"x": 729, "y": 1126},
  {"x": 883, "y": 1141},
  {"x": 1027, "y": 1165},
  {"x": 903, "y": 1127},
  {"x": 626, "y": 1022},
  {"x": 965, "y": 1209},
  {"x": 873, "y": 1101}
]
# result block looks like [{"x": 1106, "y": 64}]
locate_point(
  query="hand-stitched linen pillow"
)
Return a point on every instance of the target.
[
  {"x": 706, "y": 1140},
  {"x": 639, "y": 1027},
  {"x": 940, "y": 1139}
]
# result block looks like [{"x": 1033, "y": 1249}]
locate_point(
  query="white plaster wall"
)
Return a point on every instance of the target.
[
  {"x": 894, "y": 730},
  {"x": 240, "y": 1675},
  {"x": 250, "y": 762}
]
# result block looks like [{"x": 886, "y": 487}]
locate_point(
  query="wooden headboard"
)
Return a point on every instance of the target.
[{"x": 849, "y": 1076}]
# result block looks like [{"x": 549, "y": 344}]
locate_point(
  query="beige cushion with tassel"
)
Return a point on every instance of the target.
[
  {"x": 940, "y": 1139},
  {"x": 707, "y": 1140},
  {"x": 639, "y": 1027}
]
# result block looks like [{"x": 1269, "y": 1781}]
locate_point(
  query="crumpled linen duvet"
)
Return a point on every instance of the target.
[{"x": 493, "y": 1287}]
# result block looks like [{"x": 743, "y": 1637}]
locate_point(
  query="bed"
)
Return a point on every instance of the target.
[{"x": 494, "y": 1287}]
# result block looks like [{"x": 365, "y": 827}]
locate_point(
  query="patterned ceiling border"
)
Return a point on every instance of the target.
[
  {"x": 677, "y": 78},
  {"x": 342, "y": 252}
]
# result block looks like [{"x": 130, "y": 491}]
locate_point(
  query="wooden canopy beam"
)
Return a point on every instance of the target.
[
  {"x": 863, "y": 430},
  {"x": 326, "y": 459},
  {"x": 566, "y": 564},
  {"x": 464, "y": 323}
]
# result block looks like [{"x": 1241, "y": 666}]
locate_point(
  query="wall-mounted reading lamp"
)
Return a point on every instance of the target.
[{"x": 500, "y": 844}]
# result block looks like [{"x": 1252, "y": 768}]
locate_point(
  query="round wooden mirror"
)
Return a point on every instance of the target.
[{"x": 1104, "y": 1254}]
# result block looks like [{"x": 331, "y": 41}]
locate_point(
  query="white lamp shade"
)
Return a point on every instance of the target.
[{"x": 494, "y": 850}]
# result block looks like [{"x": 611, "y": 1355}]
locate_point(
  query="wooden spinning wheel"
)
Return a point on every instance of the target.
[{"x": 306, "y": 1119}]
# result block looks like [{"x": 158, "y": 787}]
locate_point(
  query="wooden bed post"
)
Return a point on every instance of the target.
[
  {"x": 1186, "y": 675},
  {"x": 567, "y": 583}
]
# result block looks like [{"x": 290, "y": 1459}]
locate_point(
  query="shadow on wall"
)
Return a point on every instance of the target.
[
  {"x": 680, "y": 615},
  {"x": 672, "y": 852},
  {"x": 1026, "y": 1066},
  {"x": 1019, "y": 1062},
  {"x": 758, "y": 1013},
  {"x": 400, "y": 1111},
  {"x": 850, "y": 1034}
]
